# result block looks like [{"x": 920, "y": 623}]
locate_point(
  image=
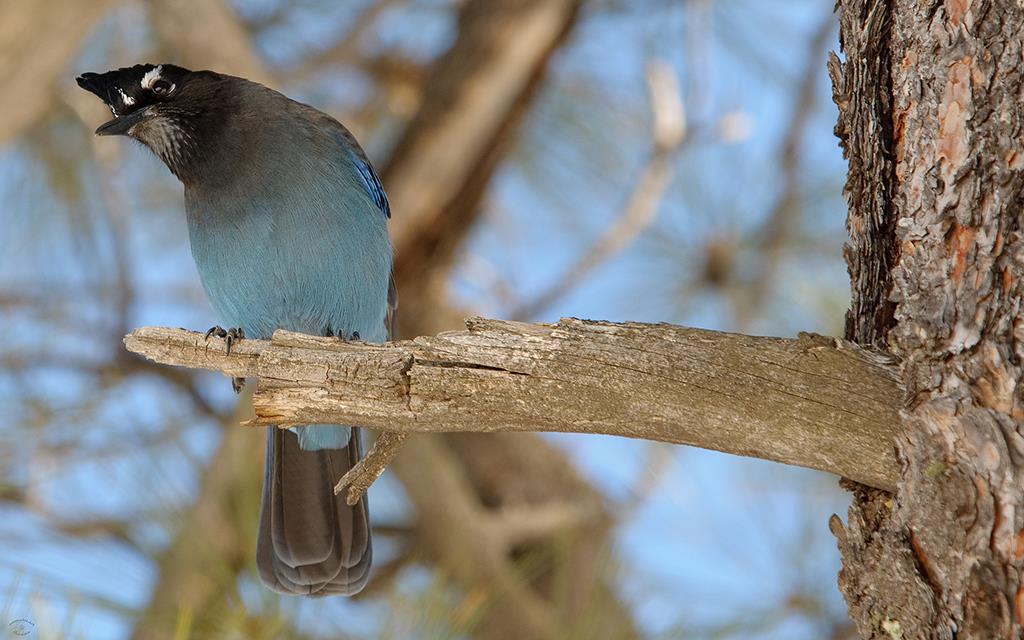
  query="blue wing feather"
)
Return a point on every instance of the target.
[{"x": 372, "y": 184}]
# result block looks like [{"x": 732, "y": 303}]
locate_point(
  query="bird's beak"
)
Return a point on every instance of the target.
[
  {"x": 104, "y": 86},
  {"x": 122, "y": 125}
]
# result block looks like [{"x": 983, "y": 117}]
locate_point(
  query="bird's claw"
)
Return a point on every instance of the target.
[
  {"x": 353, "y": 337},
  {"x": 230, "y": 336}
]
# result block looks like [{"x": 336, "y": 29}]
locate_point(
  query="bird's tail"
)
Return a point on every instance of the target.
[{"x": 310, "y": 541}]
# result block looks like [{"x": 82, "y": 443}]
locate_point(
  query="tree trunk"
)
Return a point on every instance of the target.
[{"x": 931, "y": 122}]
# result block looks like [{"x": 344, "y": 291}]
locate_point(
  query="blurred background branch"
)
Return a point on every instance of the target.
[
  {"x": 53, "y": 31},
  {"x": 669, "y": 134}
]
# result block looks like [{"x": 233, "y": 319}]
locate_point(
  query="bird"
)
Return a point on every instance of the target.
[{"x": 287, "y": 222}]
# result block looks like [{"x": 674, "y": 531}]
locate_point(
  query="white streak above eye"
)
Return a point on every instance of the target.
[
  {"x": 127, "y": 99},
  {"x": 151, "y": 76}
]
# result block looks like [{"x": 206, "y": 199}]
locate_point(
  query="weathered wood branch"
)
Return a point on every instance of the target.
[{"x": 814, "y": 402}]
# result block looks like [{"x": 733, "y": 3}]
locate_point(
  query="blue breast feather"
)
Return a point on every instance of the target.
[{"x": 300, "y": 246}]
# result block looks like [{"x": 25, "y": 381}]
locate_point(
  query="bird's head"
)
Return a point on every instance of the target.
[{"x": 168, "y": 108}]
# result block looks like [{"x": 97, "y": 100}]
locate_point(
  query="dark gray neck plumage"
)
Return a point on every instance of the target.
[{"x": 206, "y": 135}]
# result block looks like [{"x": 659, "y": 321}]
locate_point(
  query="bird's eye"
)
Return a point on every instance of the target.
[{"x": 161, "y": 87}]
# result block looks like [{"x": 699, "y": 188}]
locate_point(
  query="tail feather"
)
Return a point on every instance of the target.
[{"x": 310, "y": 541}]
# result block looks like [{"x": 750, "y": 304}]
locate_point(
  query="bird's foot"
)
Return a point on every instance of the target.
[
  {"x": 354, "y": 337},
  {"x": 231, "y": 336}
]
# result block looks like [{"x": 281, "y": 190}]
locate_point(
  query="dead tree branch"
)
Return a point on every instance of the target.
[
  {"x": 813, "y": 402},
  {"x": 365, "y": 472}
]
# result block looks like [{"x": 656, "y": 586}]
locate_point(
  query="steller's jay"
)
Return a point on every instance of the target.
[{"x": 287, "y": 222}]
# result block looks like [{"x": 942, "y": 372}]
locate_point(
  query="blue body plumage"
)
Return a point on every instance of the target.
[
  {"x": 312, "y": 244},
  {"x": 288, "y": 225}
]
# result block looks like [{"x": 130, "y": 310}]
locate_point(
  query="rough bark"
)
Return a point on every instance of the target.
[
  {"x": 930, "y": 119},
  {"x": 814, "y": 402}
]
